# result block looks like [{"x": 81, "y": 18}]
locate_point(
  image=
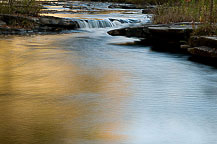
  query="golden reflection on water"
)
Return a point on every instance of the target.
[{"x": 44, "y": 98}]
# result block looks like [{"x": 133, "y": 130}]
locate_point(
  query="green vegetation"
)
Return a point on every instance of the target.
[{"x": 21, "y": 7}]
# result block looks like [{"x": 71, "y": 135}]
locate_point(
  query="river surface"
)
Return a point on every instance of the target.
[{"x": 86, "y": 87}]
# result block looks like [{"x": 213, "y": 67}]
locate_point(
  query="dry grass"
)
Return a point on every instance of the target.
[
  {"x": 194, "y": 11},
  {"x": 185, "y": 12},
  {"x": 206, "y": 29},
  {"x": 23, "y": 7}
]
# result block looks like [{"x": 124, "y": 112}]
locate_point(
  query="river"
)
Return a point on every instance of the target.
[{"x": 87, "y": 87}]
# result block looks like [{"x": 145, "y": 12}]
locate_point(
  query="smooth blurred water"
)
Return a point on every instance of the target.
[
  {"x": 87, "y": 87},
  {"x": 93, "y": 88}
]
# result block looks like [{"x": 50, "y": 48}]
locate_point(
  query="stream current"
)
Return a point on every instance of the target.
[{"x": 86, "y": 87}]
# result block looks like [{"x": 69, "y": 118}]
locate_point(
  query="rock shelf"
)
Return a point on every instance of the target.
[{"x": 177, "y": 36}]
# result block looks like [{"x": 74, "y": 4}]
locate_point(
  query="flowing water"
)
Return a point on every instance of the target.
[{"x": 86, "y": 87}]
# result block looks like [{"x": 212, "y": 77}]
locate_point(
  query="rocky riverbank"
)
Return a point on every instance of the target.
[
  {"x": 176, "y": 37},
  {"x": 11, "y": 24}
]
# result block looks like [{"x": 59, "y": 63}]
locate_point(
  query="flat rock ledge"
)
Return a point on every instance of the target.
[
  {"x": 9, "y": 24},
  {"x": 174, "y": 36},
  {"x": 203, "y": 46},
  {"x": 161, "y": 34},
  {"x": 204, "y": 51}
]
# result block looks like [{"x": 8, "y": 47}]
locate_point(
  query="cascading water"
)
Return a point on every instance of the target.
[
  {"x": 95, "y": 23},
  {"x": 96, "y": 15},
  {"x": 82, "y": 23},
  {"x": 87, "y": 87}
]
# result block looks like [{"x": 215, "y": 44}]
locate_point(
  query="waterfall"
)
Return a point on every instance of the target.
[
  {"x": 95, "y": 23},
  {"x": 85, "y": 23}
]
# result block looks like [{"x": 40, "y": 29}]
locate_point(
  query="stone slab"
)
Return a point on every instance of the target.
[{"x": 203, "y": 51}]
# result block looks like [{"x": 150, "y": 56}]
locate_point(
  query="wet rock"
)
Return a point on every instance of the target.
[
  {"x": 160, "y": 31},
  {"x": 11, "y": 31},
  {"x": 204, "y": 51},
  {"x": 16, "y": 20},
  {"x": 11, "y": 24},
  {"x": 210, "y": 41},
  {"x": 169, "y": 36},
  {"x": 203, "y": 46},
  {"x": 139, "y": 32}
]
